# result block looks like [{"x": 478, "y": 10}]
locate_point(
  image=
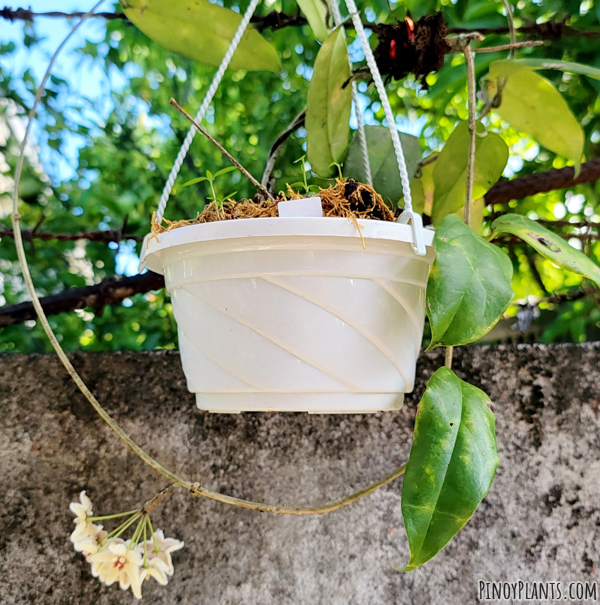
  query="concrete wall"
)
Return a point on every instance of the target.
[{"x": 540, "y": 522}]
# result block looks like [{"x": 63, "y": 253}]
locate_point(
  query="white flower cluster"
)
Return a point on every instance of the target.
[{"x": 116, "y": 560}]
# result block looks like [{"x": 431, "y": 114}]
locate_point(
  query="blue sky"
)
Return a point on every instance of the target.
[{"x": 85, "y": 78}]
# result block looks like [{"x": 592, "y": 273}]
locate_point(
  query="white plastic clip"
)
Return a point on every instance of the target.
[{"x": 408, "y": 217}]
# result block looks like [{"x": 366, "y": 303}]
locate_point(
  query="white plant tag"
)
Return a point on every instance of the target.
[{"x": 310, "y": 206}]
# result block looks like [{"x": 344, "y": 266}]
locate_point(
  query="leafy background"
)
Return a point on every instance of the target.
[{"x": 105, "y": 151}]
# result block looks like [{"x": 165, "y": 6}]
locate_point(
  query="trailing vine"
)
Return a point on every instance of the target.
[{"x": 469, "y": 288}]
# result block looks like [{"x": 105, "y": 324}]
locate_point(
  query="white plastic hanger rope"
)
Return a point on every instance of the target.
[
  {"x": 205, "y": 104},
  {"x": 408, "y": 216}
]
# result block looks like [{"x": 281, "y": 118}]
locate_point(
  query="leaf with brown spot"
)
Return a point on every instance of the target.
[{"x": 548, "y": 244}]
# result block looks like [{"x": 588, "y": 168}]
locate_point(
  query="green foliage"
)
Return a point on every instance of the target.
[
  {"x": 382, "y": 158},
  {"x": 452, "y": 463},
  {"x": 125, "y": 153},
  {"x": 303, "y": 184},
  {"x": 450, "y": 171},
  {"x": 210, "y": 179},
  {"x": 531, "y": 104},
  {"x": 201, "y": 31},
  {"x": 123, "y": 160},
  {"x": 514, "y": 65},
  {"x": 422, "y": 188},
  {"x": 548, "y": 244},
  {"x": 328, "y": 106},
  {"x": 469, "y": 285},
  {"x": 127, "y": 140},
  {"x": 315, "y": 12}
]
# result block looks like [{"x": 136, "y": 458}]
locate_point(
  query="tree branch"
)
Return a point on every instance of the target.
[
  {"x": 109, "y": 291},
  {"x": 551, "y": 30},
  {"x": 542, "y": 182},
  {"x": 25, "y": 14},
  {"x": 107, "y": 236},
  {"x": 276, "y": 20}
]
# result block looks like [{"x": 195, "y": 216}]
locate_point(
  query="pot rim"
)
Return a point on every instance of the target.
[{"x": 330, "y": 226}]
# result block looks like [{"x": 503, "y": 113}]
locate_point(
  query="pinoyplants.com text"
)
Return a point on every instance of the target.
[{"x": 537, "y": 591}]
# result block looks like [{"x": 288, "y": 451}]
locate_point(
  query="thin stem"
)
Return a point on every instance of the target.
[
  {"x": 224, "y": 151},
  {"x": 472, "y": 100},
  {"x": 448, "y": 357},
  {"x": 105, "y": 517},
  {"x": 511, "y": 29},
  {"x": 194, "y": 488},
  {"x": 214, "y": 198},
  {"x": 151, "y": 504},
  {"x": 328, "y": 508},
  {"x": 511, "y": 47},
  {"x": 494, "y": 101},
  {"x": 429, "y": 160},
  {"x": 156, "y": 549},
  {"x": 145, "y": 540},
  {"x": 115, "y": 533},
  {"x": 137, "y": 533},
  {"x": 472, "y": 132},
  {"x": 296, "y": 123}
]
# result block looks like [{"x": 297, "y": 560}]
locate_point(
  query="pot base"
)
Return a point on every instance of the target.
[{"x": 313, "y": 403}]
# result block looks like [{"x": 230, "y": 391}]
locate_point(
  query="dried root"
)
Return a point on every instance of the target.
[{"x": 347, "y": 198}]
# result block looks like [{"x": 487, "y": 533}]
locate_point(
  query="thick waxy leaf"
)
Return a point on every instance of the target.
[
  {"x": 452, "y": 464},
  {"x": 201, "y": 31},
  {"x": 450, "y": 171},
  {"x": 384, "y": 166},
  {"x": 504, "y": 68},
  {"x": 315, "y": 12},
  {"x": 531, "y": 104},
  {"x": 548, "y": 244},
  {"x": 469, "y": 285},
  {"x": 328, "y": 106}
]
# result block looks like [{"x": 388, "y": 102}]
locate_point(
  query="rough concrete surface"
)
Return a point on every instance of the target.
[{"x": 540, "y": 522}]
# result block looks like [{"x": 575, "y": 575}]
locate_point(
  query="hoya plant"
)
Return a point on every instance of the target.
[{"x": 454, "y": 457}]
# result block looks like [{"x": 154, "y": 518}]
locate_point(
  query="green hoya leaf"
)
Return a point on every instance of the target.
[
  {"x": 328, "y": 106},
  {"x": 500, "y": 69},
  {"x": 384, "y": 166},
  {"x": 452, "y": 464},
  {"x": 548, "y": 244},
  {"x": 531, "y": 104},
  {"x": 202, "y": 31},
  {"x": 315, "y": 12},
  {"x": 450, "y": 171},
  {"x": 469, "y": 285}
]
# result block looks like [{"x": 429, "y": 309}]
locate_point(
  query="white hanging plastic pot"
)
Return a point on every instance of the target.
[{"x": 292, "y": 314}]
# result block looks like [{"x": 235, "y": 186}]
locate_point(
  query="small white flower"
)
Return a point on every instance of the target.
[
  {"x": 118, "y": 563},
  {"x": 100, "y": 569},
  {"x": 84, "y": 529},
  {"x": 92, "y": 545},
  {"x": 161, "y": 548},
  {"x": 155, "y": 568},
  {"x": 84, "y": 535},
  {"x": 83, "y": 508}
]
